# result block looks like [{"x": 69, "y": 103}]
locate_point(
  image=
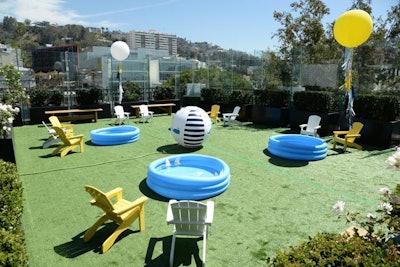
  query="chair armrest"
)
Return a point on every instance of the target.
[
  {"x": 317, "y": 127},
  {"x": 117, "y": 192},
  {"x": 210, "y": 212},
  {"x": 151, "y": 112},
  {"x": 352, "y": 136},
  {"x": 138, "y": 202},
  {"x": 170, "y": 216},
  {"x": 302, "y": 126},
  {"x": 337, "y": 133},
  {"x": 75, "y": 136},
  {"x": 127, "y": 113}
]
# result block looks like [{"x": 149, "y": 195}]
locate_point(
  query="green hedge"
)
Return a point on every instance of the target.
[
  {"x": 164, "y": 92},
  {"x": 377, "y": 107},
  {"x": 316, "y": 101},
  {"x": 273, "y": 98},
  {"x": 46, "y": 97},
  {"x": 12, "y": 244},
  {"x": 89, "y": 96}
]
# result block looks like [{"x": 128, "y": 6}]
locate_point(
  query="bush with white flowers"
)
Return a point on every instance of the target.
[
  {"x": 394, "y": 160},
  {"x": 7, "y": 113}
]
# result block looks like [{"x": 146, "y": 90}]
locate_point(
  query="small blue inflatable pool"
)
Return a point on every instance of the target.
[
  {"x": 297, "y": 147},
  {"x": 188, "y": 176},
  {"x": 115, "y": 135}
]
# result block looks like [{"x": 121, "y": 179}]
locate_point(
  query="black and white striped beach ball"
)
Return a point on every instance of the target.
[{"x": 191, "y": 126}]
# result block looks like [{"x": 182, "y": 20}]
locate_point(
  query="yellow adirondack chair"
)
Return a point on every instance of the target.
[
  {"x": 67, "y": 127},
  {"x": 347, "y": 138},
  {"x": 123, "y": 212},
  {"x": 214, "y": 113},
  {"x": 69, "y": 143}
]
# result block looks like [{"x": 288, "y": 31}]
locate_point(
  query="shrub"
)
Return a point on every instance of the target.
[
  {"x": 45, "y": 97},
  {"x": 377, "y": 107},
  {"x": 56, "y": 97},
  {"x": 39, "y": 97},
  {"x": 273, "y": 98},
  {"x": 132, "y": 92},
  {"x": 210, "y": 94},
  {"x": 12, "y": 245},
  {"x": 164, "y": 92},
  {"x": 89, "y": 96},
  {"x": 329, "y": 249},
  {"x": 316, "y": 101},
  {"x": 238, "y": 97}
]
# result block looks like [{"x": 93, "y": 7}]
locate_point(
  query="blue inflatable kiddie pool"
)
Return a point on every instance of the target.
[
  {"x": 188, "y": 176},
  {"x": 297, "y": 147},
  {"x": 115, "y": 135}
]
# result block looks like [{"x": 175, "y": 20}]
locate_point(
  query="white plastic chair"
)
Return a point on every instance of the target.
[
  {"x": 312, "y": 126},
  {"x": 121, "y": 115},
  {"x": 145, "y": 114},
  {"x": 190, "y": 218},
  {"x": 231, "y": 117}
]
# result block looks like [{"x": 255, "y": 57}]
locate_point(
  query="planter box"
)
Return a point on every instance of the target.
[
  {"x": 37, "y": 113},
  {"x": 329, "y": 121},
  {"x": 7, "y": 150},
  {"x": 192, "y": 101},
  {"x": 378, "y": 133},
  {"x": 278, "y": 117}
]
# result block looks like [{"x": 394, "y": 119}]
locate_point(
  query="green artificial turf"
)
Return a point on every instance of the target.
[{"x": 271, "y": 203}]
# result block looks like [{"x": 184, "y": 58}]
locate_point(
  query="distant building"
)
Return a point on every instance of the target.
[
  {"x": 45, "y": 59},
  {"x": 10, "y": 56},
  {"x": 153, "y": 40}
]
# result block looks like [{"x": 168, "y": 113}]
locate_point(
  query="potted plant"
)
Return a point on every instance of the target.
[
  {"x": 380, "y": 115},
  {"x": 165, "y": 94},
  {"x": 88, "y": 98},
  {"x": 271, "y": 107},
  {"x": 41, "y": 100},
  {"x": 9, "y": 98}
]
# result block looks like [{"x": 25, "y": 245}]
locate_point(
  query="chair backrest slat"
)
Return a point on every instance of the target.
[
  {"x": 100, "y": 199},
  {"x": 189, "y": 216}
]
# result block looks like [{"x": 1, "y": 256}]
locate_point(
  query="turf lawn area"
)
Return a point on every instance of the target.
[{"x": 271, "y": 203}]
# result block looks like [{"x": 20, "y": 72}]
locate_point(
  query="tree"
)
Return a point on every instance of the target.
[{"x": 305, "y": 31}]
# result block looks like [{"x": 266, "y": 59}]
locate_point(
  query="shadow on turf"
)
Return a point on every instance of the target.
[
  {"x": 77, "y": 247},
  {"x": 186, "y": 249},
  {"x": 278, "y": 161},
  {"x": 177, "y": 149}
]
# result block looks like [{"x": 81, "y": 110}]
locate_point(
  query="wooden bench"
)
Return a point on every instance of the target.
[
  {"x": 167, "y": 107},
  {"x": 75, "y": 114}
]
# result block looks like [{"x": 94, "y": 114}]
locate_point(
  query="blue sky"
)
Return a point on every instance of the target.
[{"x": 245, "y": 25}]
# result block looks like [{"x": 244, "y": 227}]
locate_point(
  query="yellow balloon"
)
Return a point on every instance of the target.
[{"x": 353, "y": 28}]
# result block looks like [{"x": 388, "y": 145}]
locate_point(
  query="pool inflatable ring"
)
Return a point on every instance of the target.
[
  {"x": 188, "y": 176},
  {"x": 297, "y": 147},
  {"x": 116, "y": 135}
]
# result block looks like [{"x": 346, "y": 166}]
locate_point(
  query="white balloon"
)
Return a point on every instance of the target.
[{"x": 119, "y": 50}]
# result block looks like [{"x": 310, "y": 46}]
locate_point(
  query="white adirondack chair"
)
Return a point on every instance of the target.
[
  {"x": 190, "y": 218},
  {"x": 121, "y": 114},
  {"x": 145, "y": 114},
  {"x": 231, "y": 117},
  {"x": 312, "y": 126}
]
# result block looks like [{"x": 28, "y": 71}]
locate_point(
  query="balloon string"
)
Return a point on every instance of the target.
[{"x": 347, "y": 69}]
